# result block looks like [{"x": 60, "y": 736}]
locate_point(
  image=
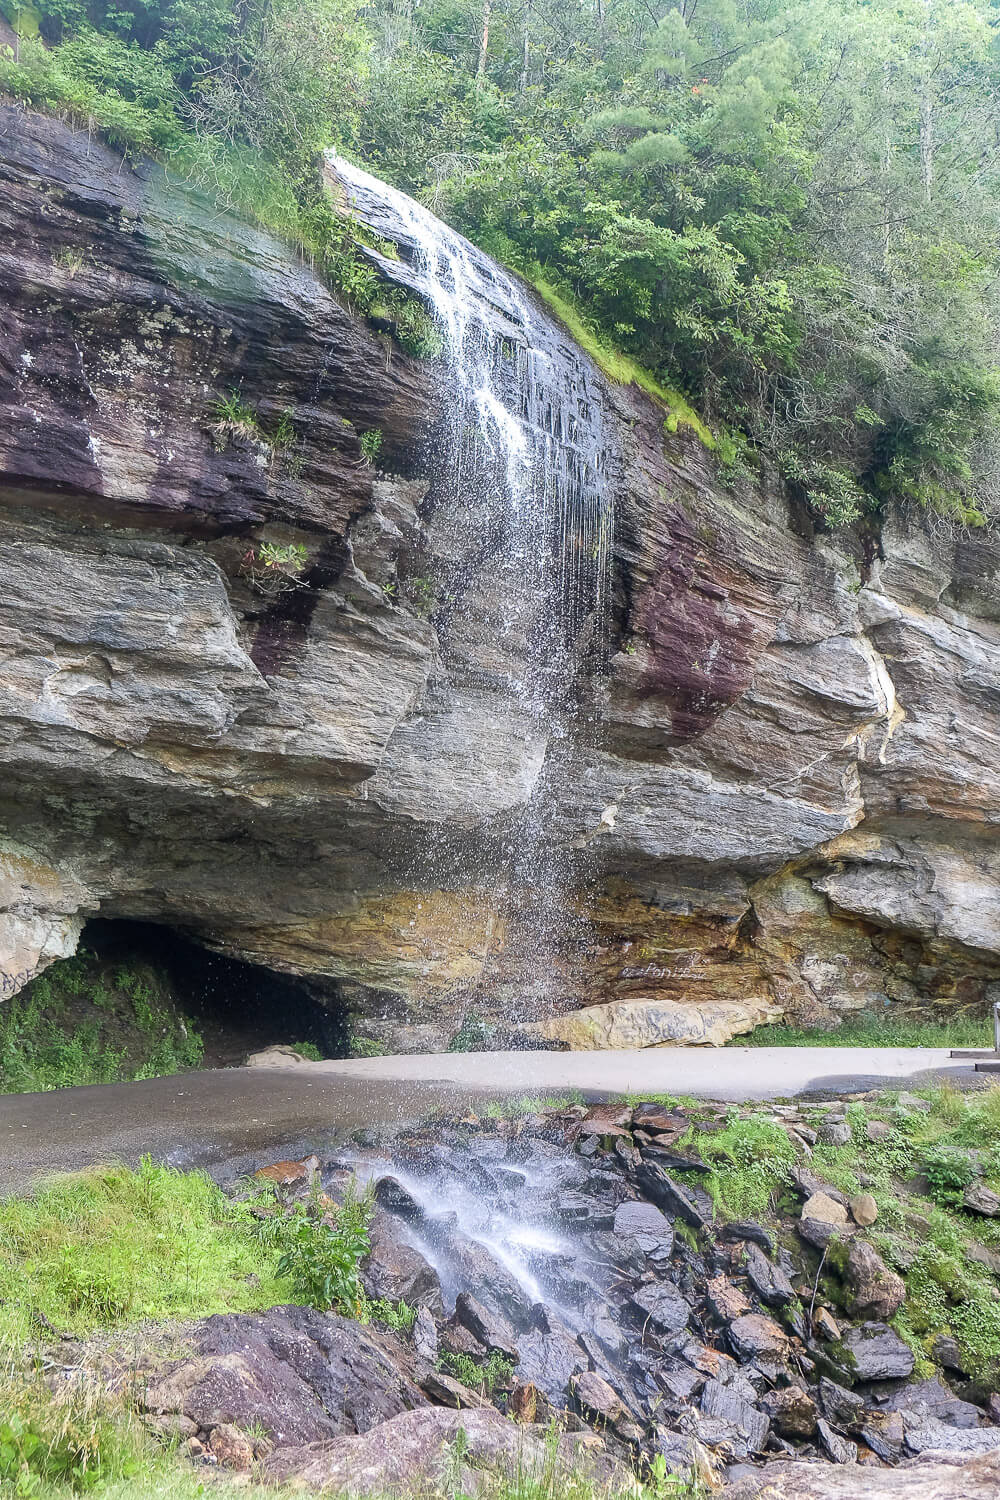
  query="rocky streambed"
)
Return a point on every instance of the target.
[{"x": 580, "y": 1299}]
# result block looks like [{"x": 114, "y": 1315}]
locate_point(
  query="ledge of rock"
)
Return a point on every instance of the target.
[{"x": 785, "y": 802}]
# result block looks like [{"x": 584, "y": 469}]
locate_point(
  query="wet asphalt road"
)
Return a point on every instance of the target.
[{"x": 238, "y": 1118}]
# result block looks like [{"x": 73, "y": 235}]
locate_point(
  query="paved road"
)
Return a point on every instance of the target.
[
  {"x": 239, "y": 1117},
  {"x": 736, "y": 1073}
]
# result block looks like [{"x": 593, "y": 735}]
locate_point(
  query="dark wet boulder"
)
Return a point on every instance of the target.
[
  {"x": 722, "y": 1401},
  {"x": 673, "y": 1160},
  {"x": 727, "y": 1300},
  {"x": 878, "y": 1353},
  {"x": 838, "y": 1449},
  {"x": 678, "y": 1202},
  {"x": 934, "y": 1399},
  {"x": 491, "y": 1329},
  {"x": 425, "y": 1336},
  {"x": 549, "y": 1357},
  {"x": 662, "y": 1306},
  {"x": 758, "y": 1338},
  {"x": 792, "y": 1412},
  {"x": 648, "y": 1226},
  {"x": 659, "y": 1120},
  {"x": 394, "y": 1269},
  {"x": 391, "y": 1195},
  {"x": 747, "y": 1229},
  {"x": 476, "y": 1268},
  {"x": 768, "y": 1280},
  {"x": 300, "y": 1374},
  {"x": 843, "y": 1407}
]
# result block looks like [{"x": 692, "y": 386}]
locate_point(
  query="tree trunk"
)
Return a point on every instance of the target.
[{"x": 484, "y": 42}]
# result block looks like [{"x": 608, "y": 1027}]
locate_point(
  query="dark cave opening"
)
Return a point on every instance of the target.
[{"x": 238, "y": 1007}]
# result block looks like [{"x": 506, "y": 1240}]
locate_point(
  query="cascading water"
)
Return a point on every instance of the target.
[{"x": 521, "y": 455}]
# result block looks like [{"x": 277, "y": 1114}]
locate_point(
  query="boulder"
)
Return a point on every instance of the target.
[
  {"x": 549, "y": 1357},
  {"x": 391, "y": 1195},
  {"x": 929, "y": 1434},
  {"x": 662, "y": 1307},
  {"x": 648, "y": 1226},
  {"x": 768, "y": 1280},
  {"x": 838, "y": 1449},
  {"x": 926, "y": 1479},
  {"x": 791, "y": 1411},
  {"x": 756, "y": 1337},
  {"x": 596, "y": 1398},
  {"x": 676, "y": 1201},
  {"x": 823, "y": 1209},
  {"x": 722, "y": 1401},
  {"x": 875, "y": 1290},
  {"x": 231, "y": 1448},
  {"x": 277, "y": 1056},
  {"x": 980, "y": 1199},
  {"x": 416, "y": 1451},
  {"x": 301, "y": 1375},
  {"x": 883, "y": 1433},
  {"x": 660, "y": 1120},
  {"x": 394, "y": 1269},
  {"x": 864, "y": 1210},
  {"x": 289, "y": 1174},
  {"x": 490, "y": 1328},
  {"x": 843, "y": 1407},
  {"x": 444, "y": 1390},
  {"x": 878, "y": 1353},
  {"x": 726, "y": 1299},
  {"x": 747, "y": 1229},
  {"x": 826, "y": 1325},
  {"x": 425, "y": 1336}
]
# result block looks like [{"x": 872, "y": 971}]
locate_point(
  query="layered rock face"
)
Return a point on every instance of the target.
[{"x": 781, "y": 795}]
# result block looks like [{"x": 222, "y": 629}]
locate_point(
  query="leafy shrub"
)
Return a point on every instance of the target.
[
  {"x": 371, "y": 444},
  {"x": 949, "y": 1171},
  {"x": 321, "y": 1260}
]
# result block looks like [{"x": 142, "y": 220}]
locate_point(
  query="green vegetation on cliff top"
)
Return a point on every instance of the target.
[{"x": 787, "y": 212}]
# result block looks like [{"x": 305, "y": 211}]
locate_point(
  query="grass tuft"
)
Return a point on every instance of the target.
[
  {"x": 871, "y": 1029},
  {"x": 110, "y": 1247},
  {"x": 620, "y": 368}
]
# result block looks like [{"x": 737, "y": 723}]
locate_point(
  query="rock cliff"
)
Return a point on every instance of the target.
[{"x": 784, "y": 793}]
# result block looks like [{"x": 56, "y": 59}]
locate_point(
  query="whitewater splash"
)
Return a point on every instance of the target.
[{"x": 524, "y": 536}]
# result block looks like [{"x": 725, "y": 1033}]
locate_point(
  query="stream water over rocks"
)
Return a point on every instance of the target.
[{"x": 567, "y": 1268}]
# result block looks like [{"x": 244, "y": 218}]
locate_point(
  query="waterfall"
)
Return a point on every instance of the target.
[{"x": 521, "y": 445}]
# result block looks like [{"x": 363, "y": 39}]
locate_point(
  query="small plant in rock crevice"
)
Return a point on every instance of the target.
[
  {"x": 397, "y": 1316},
  {"x": 493, "y": 1375},
  {"x": 273, "y": 569},
  {"x": 370, "y": 443}
]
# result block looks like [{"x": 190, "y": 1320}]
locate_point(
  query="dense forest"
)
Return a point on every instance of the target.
[{"x": 787, "y": 211}]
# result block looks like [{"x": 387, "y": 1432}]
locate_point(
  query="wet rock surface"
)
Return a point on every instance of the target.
[
  {"x": 785, "y": 805},
  {"x": 649, "y": 1338}
]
